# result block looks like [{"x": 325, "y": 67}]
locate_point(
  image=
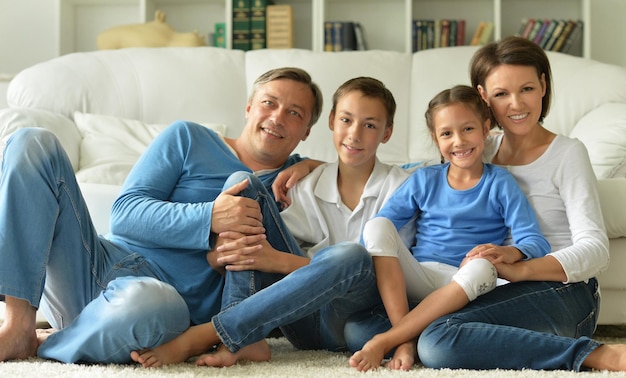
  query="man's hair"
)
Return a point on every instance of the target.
[
  {"x": 296, "y": 74},
  {"x": 371, "y": 88},
  {"x": 516, "y": 51}
]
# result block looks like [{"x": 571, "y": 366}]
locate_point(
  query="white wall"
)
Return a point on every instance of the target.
[
  {"x": 608, "y": 30},
  {"x": 27, "y": 33}
]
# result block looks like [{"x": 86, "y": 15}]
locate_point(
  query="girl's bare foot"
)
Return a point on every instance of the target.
[
  {"x": 368, "y": 358},
  {"x": 257, "y": 352},
  {"x": 43, "y": 333},
  {"x": 610, "y": 357},
  {"x": 404, "y": 357}
]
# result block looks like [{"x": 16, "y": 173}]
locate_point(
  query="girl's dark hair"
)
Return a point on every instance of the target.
[
  {"x": 459, "y": 94},
  {"x": 370, "y": 87},
  {"x": 515, "y": 51}
]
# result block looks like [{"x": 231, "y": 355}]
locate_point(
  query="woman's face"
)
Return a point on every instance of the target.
[{"x": 514, "y": 94}]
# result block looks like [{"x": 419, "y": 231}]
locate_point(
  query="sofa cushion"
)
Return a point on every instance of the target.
[
  {"x": 111, "y": 146},
  {"x": 603, "y": 131}
]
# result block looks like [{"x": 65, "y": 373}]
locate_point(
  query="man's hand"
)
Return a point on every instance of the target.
[
  {"x": 234, "y": 213},
  {"x": 247, "y": 252}
]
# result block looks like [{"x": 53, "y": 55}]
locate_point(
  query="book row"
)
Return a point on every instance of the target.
[
  {"x": 552, "y": 35},
  {"x": 258, "y": 24},
  {"x": 429, "y": 34},
  {"x": 343, "y": 36}
]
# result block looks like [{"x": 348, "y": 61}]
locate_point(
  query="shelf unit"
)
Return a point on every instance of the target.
[{"x": 387, "y": 24}]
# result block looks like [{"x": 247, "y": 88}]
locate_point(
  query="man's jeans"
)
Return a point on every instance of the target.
[
  {"x": 105, "y": 299},
  {"x": 310, "y": 305}
]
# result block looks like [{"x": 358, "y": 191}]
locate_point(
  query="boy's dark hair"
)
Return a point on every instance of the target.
[
  {"x": 515, "y": 51},
  {"x": 298, "y": 75},
  {"x": 370, "y": 87}
]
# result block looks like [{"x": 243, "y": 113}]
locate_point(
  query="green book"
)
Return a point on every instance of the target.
[
  {"x": 241, "y": 25},
  {"x": 220, "y": 35},
  {"x": 258, "y": 23}
]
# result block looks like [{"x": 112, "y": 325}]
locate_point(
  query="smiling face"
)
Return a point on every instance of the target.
[
  {"x": 515, "y": 93},
  {"x": 460, "y": 134},
  {"x": 359, "y": 125},
  {"x": 278, "y": 119}
]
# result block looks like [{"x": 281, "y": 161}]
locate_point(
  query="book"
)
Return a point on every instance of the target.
[
  {"x": 328, "y": 36},
  {"x": 430, "y": 34},
  {"x": 359, "y": 33},
  {"x": 341, "y": 35},
  {"x": 573, "y": 40},
  {"x": 219, "y": 37},
  {"x": 547, "y": 33},
  {"x": 479, "y": 30},
  {"x": 258, "y": 24},
  {"x": 279, "y": 26},
  {"x": 529, "y": 27},
  {"x": 437, "y": 33},
  {"x": 460, "y": 36},
  {"x": 241, "y": 25},
  {"x": 522, "y": 27},
  {"x": 417, "y": 43},
  {"x": 534, "y": 30},
  {"x": 567, "y": 28},
  {"x": 445, "y": 33},
  {"x": 453, "y": 32},
  {"x": 542, "y": 30},
  {"x": 485, "y": 36},
  {"x": 556, "y": 32}
]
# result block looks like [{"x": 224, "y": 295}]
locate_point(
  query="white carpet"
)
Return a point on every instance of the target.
[{"x": 286, "y": 362}]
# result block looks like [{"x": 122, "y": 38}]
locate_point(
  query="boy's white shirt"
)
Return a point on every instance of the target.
[{"x": 318, "y": 218}]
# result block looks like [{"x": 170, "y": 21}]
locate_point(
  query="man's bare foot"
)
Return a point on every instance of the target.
[
  {"x": 404, "y": 357},
  {"x": 368, "y": 358},
  {"x": 194, "y": 341},
  {"x": 610, "y": 357},
  {"x": 257, "y": 352},
  {"x": 43, "y": 334},
  {"x": 18, "y": 339}
]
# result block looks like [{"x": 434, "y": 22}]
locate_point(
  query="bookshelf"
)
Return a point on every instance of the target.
[{"x": 387, "y": 24}]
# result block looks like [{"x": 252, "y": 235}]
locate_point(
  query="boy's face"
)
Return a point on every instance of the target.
[
  {"x": 460, "y": 135},
  {"x": 359, "y": 125}
]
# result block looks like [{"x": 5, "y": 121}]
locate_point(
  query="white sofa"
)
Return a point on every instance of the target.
[{"x": 88, "y": 100}]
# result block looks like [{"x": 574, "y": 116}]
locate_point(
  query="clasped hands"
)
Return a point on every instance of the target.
[{"x": 506, "y": 260}]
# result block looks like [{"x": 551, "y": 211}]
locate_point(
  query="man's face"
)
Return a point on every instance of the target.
[{"x": 278, "y": 119}]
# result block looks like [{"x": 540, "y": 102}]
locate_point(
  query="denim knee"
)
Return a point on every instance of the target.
[
  {"x": 35, "y": 142},
  {"x": 344, "y": 254}
]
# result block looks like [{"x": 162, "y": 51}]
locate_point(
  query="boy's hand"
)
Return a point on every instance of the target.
[{"x": 289, "y": 177}]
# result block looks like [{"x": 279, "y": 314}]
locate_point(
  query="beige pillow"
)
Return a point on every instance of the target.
[{"x": 111, "y": 145}]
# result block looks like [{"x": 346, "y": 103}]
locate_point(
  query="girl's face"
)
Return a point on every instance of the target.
[
  {"x": 460, "y": 135},
  {"x": 514, "y": 94},
  {"x": 359, "y": 125}
]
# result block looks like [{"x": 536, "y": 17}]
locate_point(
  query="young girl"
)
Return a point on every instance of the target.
[{"x": 464, "y": 211}]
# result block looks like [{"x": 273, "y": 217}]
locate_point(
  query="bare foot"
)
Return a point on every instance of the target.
[
  {"x": 43, "y": 334},
  {"x": 404, "y": 357},
  {"x": 194, "y": 341},
  {"x": 18, "y": 339},
  {"x": 257, "y": 352},
  {"x": 610, "y": 357},
  {"x": 368, "y": 358}
]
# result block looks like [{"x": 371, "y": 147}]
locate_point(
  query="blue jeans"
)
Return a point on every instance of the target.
[
  {"x": 106, "y": 300},
  {"x": 525, "y": 325},
  {"x": 310, "y": 305}
]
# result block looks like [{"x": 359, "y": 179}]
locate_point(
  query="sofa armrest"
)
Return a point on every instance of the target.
[
  {"x": 613, "y": 201},
  {"x": 13, "y": 119}
]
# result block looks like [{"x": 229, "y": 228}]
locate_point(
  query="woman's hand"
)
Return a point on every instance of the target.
[{"x": 496, "y": 253}]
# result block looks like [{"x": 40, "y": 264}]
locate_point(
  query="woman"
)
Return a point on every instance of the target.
[{"x": 545, "y": 317}]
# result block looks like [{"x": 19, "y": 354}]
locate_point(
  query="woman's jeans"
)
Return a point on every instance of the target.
[
  {"x": 105, "y": 299},
  {"x": 310, "y": 305},
  {"x": 525, "y": 325}
]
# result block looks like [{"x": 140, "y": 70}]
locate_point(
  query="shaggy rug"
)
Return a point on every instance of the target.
[{"x": 288, "y": 362}]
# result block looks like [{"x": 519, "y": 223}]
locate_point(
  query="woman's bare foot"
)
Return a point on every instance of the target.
[
  {"x": 368, "y": 358},
  {"x": 404, "y": 357},
  {"x": 610, "y": 357},
  {"x": 257, "y": 352},
  {"x": 18, "y": 339},
  {"x": 194, "y": 341}
]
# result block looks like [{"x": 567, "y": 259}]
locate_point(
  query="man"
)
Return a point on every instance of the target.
[{"x": 149, "y": 279}]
